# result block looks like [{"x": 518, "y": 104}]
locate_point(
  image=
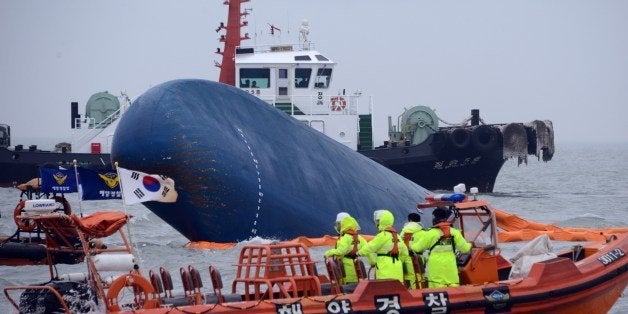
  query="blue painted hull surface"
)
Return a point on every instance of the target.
[{"x": 244, "y": 169}]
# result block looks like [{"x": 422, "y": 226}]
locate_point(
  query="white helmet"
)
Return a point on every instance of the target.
[
  {"x": 377, "y": 214},
  {"x": 341, "y": 215},
  {"x": 339, "y": 218}
]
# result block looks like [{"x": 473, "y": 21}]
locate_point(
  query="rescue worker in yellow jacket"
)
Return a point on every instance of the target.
[
  {"x": 441, "y": 240},
  {"x": 348, "y": 244},
  {"x": 411, "y": 233},
  {"x": 389, "y": 247}
]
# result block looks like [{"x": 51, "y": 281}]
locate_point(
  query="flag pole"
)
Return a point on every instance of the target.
[
  {"x": 134, "y": 246},
  {"x": 79, "y": 188},
  {"x": 79, "y": 191}
]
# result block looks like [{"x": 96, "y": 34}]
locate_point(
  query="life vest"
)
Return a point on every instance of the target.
[
  {"x": 354, "y": 252},
  {"x": 394, "y": 253},
  {"x": 445, "y": 228},
  {"x": 416, "y": 258},
  {"x": 406, "y": 239}
]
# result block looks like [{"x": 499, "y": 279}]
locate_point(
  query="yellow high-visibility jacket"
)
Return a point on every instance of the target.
[{"x": 442, "y": 270}]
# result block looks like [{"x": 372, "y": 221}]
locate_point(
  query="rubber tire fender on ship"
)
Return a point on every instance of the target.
[
  {"x": 460, "y": 138},
  {"x": 484, "y": 138},
  {"x": 439, "y": 141}
]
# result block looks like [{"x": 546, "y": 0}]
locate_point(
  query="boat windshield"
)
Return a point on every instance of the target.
[
  {"x": 323, "y": 78},
  {"x": 4, "y": 136},
  {"x": 302, "y": 77},
  {"x": 478, "y": 225},
  {"x": 255, "y": 78}
]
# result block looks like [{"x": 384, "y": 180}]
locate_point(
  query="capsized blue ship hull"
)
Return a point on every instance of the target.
[{"x": 244, "y": 169}]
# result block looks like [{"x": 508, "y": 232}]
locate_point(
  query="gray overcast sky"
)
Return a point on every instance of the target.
[{"x": 516, "y": 61}]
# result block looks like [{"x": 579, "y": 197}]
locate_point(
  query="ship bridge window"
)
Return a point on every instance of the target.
[
  {"x": 323, "y": 78},
  {"x": 302, "y": 58},
  {"x": 302, "y": 77},
  {"x": 321, "y": 58},
  {"x": 283, "y": 73},
  {"x": 244, "y": 50},
  {"x": 255, "y": 78},
  {"x": 4, "y": 137}
]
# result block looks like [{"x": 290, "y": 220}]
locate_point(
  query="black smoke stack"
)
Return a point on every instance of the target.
[
  {"x": 74, "y": 113},
  {"x": 475, "y": 116}
]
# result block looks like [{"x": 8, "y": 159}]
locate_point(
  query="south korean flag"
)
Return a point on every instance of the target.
[{"x": 138, "y": 187}]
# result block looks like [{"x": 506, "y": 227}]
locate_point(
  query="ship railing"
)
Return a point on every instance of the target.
[
  {"x": 277, "y": 47},
  {"x": 315, "y": 105},
  {"x": 87, "y": 132},
  {"x": 284, "y": 270},
  {"x": 91, "y": 129}
]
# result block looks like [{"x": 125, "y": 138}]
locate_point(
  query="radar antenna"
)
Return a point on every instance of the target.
[
  {"x": 304, "y": 31},
  {"x": 273, "y": 28}
]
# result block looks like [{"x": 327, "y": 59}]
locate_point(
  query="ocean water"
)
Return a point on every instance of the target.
[{"x": 585, "y": 185}]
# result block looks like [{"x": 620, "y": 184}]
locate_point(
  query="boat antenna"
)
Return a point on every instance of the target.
[
  {"x": 273, "y": 28},
  {"x": 79, "y": 188},
  {"x": 126, "y": 99},
  {"x": 304, "y": 31}
]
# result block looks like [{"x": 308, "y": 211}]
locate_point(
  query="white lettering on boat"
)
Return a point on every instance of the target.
[
  {"x": 611, "y": 257},
  {"x": 388, "y": 303},
  {"x": 437, "y": 302},
  {"x": 339, "y": 306},
  {"x": 294, "y": 308}
]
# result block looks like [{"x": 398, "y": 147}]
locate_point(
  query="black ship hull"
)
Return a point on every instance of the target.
[
  {"x": 472, "y": 155},
  {"x": 17, "y": 167},
  {"x": 424, "y": 164},
  {"x": 448, "y": 157},
  {"x": 439, "y": 163}
]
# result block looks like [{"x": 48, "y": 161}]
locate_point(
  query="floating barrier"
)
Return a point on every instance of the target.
[{"x": 515, "y": 228}]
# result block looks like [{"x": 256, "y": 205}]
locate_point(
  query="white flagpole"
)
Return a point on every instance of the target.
[
  {"x": 128, "y": 222},
  {"x": 79, "y": 189}
]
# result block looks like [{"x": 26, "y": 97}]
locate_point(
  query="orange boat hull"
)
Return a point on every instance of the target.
[
  {"x": 559, "y": 285},
  {"x": 282, "y": 278}
]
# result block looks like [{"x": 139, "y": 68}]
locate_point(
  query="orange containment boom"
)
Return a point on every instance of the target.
[
  {"x": 326, "y": 240},
  {"x": 515, "y": 228}
]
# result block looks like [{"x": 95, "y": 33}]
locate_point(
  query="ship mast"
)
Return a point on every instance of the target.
[
  {"x": 232, "y": 39},
  {"x": 303, "y": 34}
]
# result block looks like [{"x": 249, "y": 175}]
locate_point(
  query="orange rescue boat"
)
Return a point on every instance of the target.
[{"x": 282, "y": 278}]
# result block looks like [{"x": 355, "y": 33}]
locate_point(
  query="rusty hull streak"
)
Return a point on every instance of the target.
[{"x": 193, "y": 179}]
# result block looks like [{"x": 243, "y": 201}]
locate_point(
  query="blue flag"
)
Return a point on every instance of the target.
[
  {"x": 57, "y": 180},
  {"x": 99, "y": 184}
]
